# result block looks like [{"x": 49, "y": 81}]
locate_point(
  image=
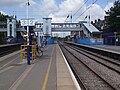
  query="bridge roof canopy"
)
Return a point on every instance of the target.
[{"x": 90, "y": 27}]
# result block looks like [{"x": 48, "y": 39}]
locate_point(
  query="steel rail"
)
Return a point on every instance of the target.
[
  {"x": 112, "y": 62},
  {"x": 91, "y": 69}
]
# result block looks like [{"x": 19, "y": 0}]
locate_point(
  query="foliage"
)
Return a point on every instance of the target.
[
  {"x": 113, "y": 18},
  {"x": 3, "y": 18}
]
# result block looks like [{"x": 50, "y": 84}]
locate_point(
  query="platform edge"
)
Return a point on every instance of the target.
[{"x": 70, "y": 70}]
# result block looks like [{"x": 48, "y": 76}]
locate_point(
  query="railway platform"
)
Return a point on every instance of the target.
[
  {"x": 49, "y": 72},
  {"x": 108, "y": 47},
  {"x": 105, "y": 47}
]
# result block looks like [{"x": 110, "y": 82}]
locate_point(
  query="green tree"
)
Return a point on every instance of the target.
[
  {"x": 3, "y": 18},
  {"x": 113, "y": 19}
]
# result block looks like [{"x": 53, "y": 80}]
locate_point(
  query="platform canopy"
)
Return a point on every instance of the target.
[{"x": 90, "y": 27}]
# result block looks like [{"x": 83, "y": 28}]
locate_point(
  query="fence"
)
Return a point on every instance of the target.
[
  {"x": 23, "y": 52},
  {"x": 90, "y": 41}
]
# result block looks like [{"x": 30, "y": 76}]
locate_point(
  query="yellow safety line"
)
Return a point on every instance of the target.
[{"x": 47, "y": 73}]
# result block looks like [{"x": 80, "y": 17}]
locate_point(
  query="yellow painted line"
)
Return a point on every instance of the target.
[{"x": 47, "y": 73}]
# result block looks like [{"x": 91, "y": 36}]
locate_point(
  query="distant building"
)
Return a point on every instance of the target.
[{"x": 99, "y": 24}]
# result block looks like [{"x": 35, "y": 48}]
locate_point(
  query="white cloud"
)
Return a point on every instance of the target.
[
  {"x": 3, "y": 12},
  {"x": 14, "y": 2},
  {"x": 110, "y": 4},
  {"x": 56, "y": 18},
  {"x": 65, "y": 8},
  {"x": 95, "y": 12},
  {"x": 49, "y": 5},
  {"x": 59, "y": 11},
  {"x": 46, "y": 7}
]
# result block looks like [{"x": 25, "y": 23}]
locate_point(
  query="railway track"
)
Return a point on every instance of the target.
[
  {"x": 106, "y": 61},
  {"x": 7, "y": 52},
  {"x": 8, "y": 49},
  {"x": 92, "y": 71}
]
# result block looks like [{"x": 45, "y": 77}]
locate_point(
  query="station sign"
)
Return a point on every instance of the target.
[
  {"x": 28, "y": 22},
  {"x": 92, "y": 40},
  {"x": 100, "y": 40}
]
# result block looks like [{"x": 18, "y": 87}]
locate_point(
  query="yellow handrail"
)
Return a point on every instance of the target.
[{"x": 23, "y": 52}]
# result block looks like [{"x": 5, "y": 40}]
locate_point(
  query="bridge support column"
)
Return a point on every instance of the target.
[
  {"x": 47, "y": 30},
  {"x": 14, "y": 28},
  {"x": 8, "y": 27},
  {"x": 11, "y": 27}
]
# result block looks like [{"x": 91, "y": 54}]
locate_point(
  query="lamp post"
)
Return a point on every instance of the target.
[
  {"x": 118, "y": 16},
  {"x": 27, "y": 22},
  {"x": 28, "y": 41},
  {"x": 115, "y": 37}
]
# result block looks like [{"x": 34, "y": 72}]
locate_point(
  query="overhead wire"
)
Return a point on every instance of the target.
[
  {"x": 86, "y": 9},
  {"x": 80, "y": 8},
  {"x": 76, "y": 11}
]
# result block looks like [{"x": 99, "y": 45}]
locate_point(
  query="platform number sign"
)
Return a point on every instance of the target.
[
  {"x": 31, "y": 22},
  {"x": 25, "y": 22}
]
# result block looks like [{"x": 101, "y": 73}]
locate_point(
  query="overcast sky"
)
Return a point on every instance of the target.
[{"x": 57, "y": 9}]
